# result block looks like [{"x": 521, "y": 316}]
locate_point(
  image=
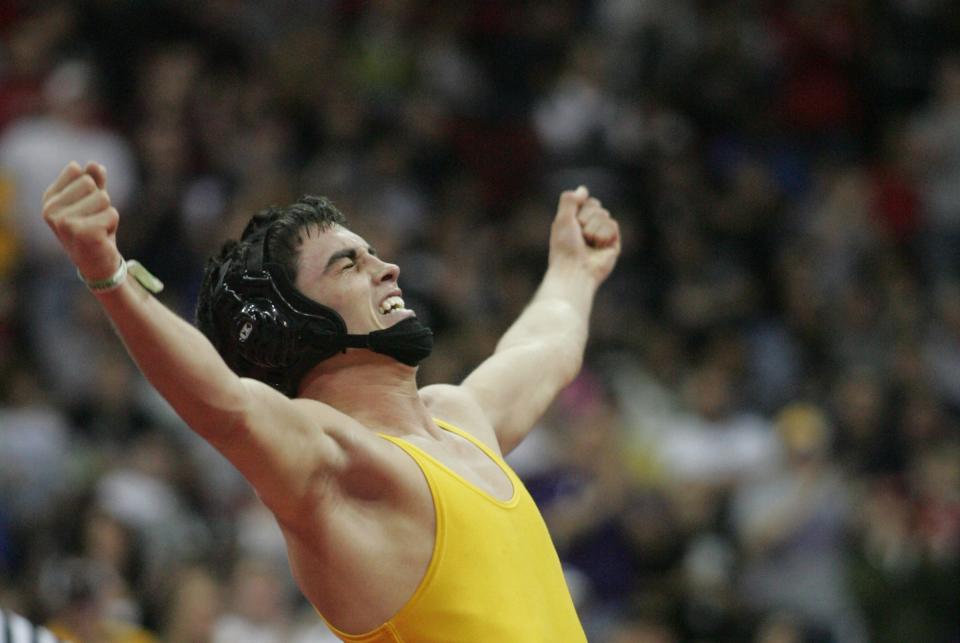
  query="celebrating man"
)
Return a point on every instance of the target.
[{"x": 402, "y": 520}]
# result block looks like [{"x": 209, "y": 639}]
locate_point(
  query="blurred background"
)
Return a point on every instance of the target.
[{"x": 763, "y": 444}]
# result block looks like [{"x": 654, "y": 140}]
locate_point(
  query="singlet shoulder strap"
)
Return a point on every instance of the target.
[
  {"x": 466, "y": 435},
  {"x": 498, "y": 459}
]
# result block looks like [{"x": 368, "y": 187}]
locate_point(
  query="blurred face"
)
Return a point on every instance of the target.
[{"x": 337, "y": 268}]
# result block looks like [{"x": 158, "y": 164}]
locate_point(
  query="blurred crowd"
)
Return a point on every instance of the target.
[{"x": 763, "y": 444}]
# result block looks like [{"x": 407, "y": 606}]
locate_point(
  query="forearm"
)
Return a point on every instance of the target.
[
  {"x": 175, "y": 357},
  {"x": 557, "y": 317},
  {"x": 177, "y": 360}
]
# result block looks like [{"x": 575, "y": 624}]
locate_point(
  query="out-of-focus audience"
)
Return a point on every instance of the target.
[{"x": 763, "y": 445}]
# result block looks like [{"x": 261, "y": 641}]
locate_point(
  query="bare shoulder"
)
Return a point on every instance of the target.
[{"x": 456, "y": 405}]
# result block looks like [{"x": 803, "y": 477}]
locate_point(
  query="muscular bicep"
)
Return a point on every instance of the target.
[{"x": 293, "y": 452}]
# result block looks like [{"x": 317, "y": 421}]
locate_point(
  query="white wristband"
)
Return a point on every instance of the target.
[
  {"x": 143, "y": 276},
  {"x": 110, "y": 283}
]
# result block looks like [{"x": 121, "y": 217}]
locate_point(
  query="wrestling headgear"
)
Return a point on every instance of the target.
[{"x": 266, "y": 329}]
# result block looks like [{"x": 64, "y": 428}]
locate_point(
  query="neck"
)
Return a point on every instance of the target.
[{"x": 376, "y": 390}]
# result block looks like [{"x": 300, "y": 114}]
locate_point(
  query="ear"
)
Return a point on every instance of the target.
[{"x": 263, "y": 335}]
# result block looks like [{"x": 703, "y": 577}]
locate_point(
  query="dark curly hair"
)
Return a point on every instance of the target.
[{"x": 284, "y": 229}]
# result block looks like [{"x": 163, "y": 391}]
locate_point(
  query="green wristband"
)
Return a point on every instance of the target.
[{"x": 144, "y": 277}]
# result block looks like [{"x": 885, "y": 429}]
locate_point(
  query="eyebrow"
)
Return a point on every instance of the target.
[{"x": 346, "y": 253}]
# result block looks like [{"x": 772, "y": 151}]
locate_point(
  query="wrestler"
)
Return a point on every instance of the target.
[{"x": 402, "y": 520}]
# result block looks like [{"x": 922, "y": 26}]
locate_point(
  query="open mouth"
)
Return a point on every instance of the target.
[{"x": 391, "y": 305}]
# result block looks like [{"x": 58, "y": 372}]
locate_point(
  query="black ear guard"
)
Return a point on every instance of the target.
[
  {"x": 267, "y": 329},
  {"x": 270, "y": 331}
]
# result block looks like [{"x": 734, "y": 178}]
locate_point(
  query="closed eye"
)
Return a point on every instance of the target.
[{"x": 350, "y": 254}]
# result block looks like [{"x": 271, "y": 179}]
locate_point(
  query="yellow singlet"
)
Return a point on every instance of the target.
[{"x": 494, "y": 577}]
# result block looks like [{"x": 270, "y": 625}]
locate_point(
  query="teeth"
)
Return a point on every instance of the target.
[{"x": 390, "y": 304}]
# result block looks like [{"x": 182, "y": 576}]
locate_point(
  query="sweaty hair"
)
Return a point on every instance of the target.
[{"x": 285, "y": 228}]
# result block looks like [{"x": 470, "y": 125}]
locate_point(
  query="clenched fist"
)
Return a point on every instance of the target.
[
  {"x": 77, "y": 208},
  {"x": 584, "y": 234}
]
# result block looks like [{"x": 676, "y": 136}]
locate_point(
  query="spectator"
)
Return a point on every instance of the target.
[
  {"x": 258, "y": 610},
  {"x": 791, "y": 527},
  {"x": 77, "y": 593}
]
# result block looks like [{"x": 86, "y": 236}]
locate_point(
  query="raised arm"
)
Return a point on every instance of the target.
[
  {"x": 277, "y": 443},
  {"x": 543, "y": 350}
]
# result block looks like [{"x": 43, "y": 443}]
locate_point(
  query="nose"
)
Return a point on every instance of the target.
[{"x": 387, "y": 272}]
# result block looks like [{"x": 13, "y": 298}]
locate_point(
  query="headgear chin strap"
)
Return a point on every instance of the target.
[{"x": 270, "y": 331}]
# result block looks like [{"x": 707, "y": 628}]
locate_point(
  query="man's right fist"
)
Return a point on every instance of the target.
[{"x": 77, "y": 208}]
